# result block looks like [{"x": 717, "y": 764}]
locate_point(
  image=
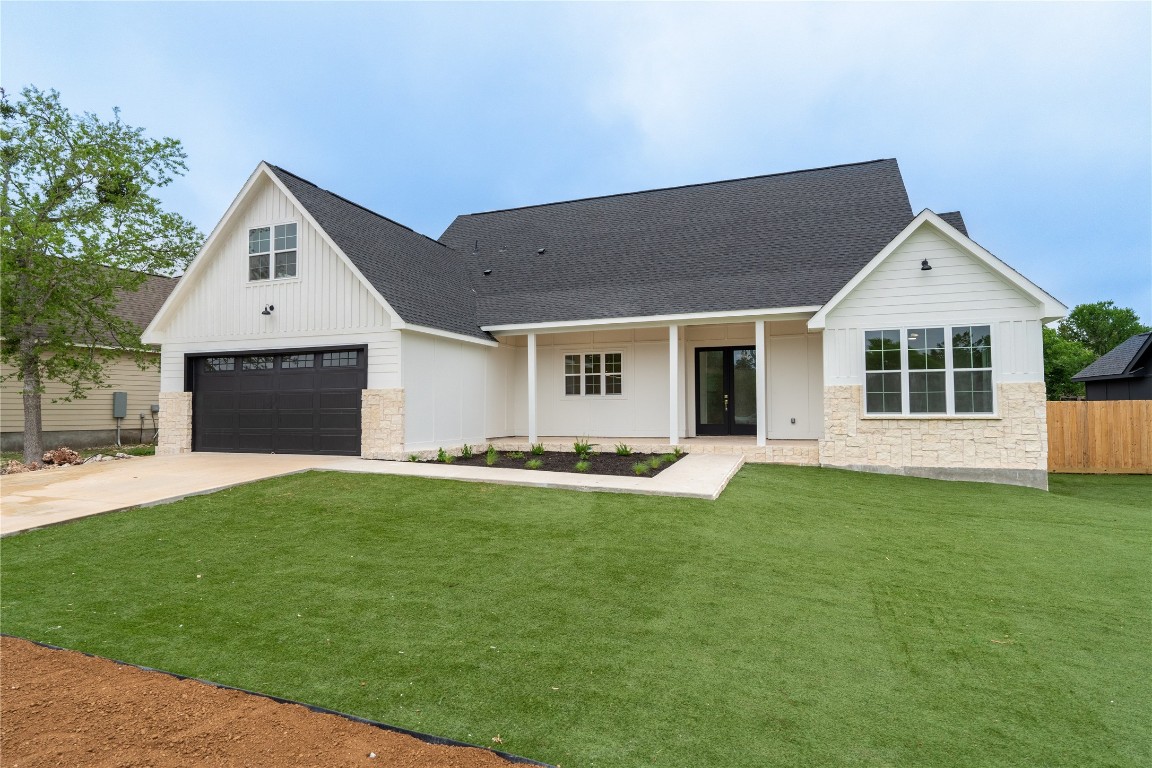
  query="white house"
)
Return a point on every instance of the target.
[{"x": 807, "y": 317}]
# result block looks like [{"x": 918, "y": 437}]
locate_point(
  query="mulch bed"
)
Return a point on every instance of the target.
[
  {"x": 607, "y": 463},
  {"x": 64, "y": 708}
]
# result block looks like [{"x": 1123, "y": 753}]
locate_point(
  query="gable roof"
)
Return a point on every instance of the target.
[
  {"x": 765, "y": 242},
  {"x": 1051, "y": 308},
  {"x": 141, "y": 305},
  {"x": 424, "y": 281},
  {"x": 1129, "y": 358}
]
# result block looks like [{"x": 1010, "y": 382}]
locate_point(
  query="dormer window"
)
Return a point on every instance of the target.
[{"x": 272, "y": 252}]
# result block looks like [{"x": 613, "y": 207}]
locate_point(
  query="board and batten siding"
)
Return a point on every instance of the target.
[
  {"x": 958, "y": 290},
  {"x": 93, "y": 412},
  {"x": 326, "y": 304}
]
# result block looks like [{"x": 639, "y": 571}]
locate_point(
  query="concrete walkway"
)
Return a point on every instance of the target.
[{"x": 35, "y": 499}]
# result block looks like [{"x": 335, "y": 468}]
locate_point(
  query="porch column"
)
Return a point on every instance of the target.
[
  {"x": 532, "y": 388},
  {"x": 673, "y": 384},
  {"x": 761, "y": 386}
]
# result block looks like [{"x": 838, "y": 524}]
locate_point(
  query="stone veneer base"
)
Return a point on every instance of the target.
[
  {"x": 382, "y": 423},
  {"x": 175, "y": 423}
]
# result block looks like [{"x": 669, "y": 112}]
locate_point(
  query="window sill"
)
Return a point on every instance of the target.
[
  {"x": 932, "y": 417},
  {"x": 272, "y": 281}
]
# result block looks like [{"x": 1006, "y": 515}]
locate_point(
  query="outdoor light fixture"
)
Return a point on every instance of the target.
[
  {"x": 487, "y": 271},
  {"x": 267, "y": 310},
  {"x": 925, "y": 266}
]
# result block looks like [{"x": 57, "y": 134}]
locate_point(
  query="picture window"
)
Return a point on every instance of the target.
[{"x": 916, "y": 371}]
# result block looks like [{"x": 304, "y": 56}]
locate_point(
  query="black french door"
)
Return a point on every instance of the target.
[{"x": 726, "y": 390}]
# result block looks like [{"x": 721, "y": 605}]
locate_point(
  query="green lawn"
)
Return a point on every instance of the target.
[{"x": 809, "y": 617}]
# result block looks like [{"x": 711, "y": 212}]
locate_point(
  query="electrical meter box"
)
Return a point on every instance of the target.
[{"x": 119, "y": 405}]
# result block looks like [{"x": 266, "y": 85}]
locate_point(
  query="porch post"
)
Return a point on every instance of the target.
[
  {"x": 673, "y": 384},
  {"x": 761, "y": 386},
  {"x": 532, "y": 388}
]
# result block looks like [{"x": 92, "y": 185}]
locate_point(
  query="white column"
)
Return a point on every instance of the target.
[
  {"x": 674, "y": 384},
  {"x": 532, "y": 388},
  {"x": 761, "y": 386}
]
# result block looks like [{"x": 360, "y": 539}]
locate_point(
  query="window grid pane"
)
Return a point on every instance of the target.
[
  {"x": 571, "y": 364},
  {"x": 285, "y": 237},
  {"x": 297, "y": 361},
  {"x": 592, "y": 384},
  {"x": 882, "y": 350},
  {"x": 213, "y": 364},
  {"x": 592, "y": 363},
  {"x": 884, "y": 395},
  {"x": 926, "y": 392},
  {"x": 337, "y": 359},
  {"x": 972, "y": 347},
  {"x": 926, "y": 349},
  {"x": 973, "y": 391},
  {"x": 258, "y": 267},
  {"x": 257, "y": 363},
  {"x": 258, "y": 240},
  {"x": 572, "y": 385},
  {"x": 612, "y": 362},
  {"x": 613, "y": 384},
  {"x": 286, "y": 264}
]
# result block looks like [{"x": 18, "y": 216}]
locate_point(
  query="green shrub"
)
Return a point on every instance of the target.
[
  {"x": 466, "y": 451},
  {"x": 582, "y": 448},
  {"x": 677, "y": 451},
  {"x": 515, "y": 454},
  {"x": 533, "y": 464},
  {"x": 583, "y": 466},
  {"x": 623, "y": 450},
  {"x": 669, "y": 457},
  {"x": 640, "y": 468},
  {"x": 656, "y": 462},
  {"x": 491, "y": 456},
  {"x": 413, "y": 457},
  {"x": 537, "y": 449},
  {"x": 444, "y": 456}
]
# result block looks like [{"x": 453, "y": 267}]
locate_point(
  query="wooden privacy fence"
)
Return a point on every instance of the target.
[{"x": 1102, "y": 436}]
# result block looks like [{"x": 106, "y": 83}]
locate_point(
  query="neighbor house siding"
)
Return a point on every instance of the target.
[
  {"x": 325, "y": 305},
  {"x": 94, "y": 412}
]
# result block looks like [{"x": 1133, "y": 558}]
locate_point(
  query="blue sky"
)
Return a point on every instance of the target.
[{"x": 1033, "y": 119}]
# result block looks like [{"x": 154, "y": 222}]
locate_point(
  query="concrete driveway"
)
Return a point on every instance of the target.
[{"x": 35, "y": 499}]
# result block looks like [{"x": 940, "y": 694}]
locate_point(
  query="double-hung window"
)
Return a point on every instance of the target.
[
  {"x": 924, "y": 371},
  {"x": 272, "y": 252},
  {"x": 594, "y": 373}
]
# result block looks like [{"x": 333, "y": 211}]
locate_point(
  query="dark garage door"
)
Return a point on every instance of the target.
[{"x": 284, "y": 402}]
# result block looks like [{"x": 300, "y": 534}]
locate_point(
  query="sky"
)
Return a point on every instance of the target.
[{"x": 1033, "y": 119}]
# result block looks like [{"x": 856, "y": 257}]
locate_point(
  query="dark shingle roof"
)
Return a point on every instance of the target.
[
  {"x": 956, "y": 220},
  {"x": 141, "y": 305},
  {"x": 1125, "y": 360},
  {"x": 423, "y": 280},
  {"x": 785, "y": 240}
]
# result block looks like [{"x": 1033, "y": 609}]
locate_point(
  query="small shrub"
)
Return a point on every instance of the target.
[
  {"x": 669, "y": 458},
  {"x": 582, "y": 448},
  {"x": 583, "y": 466},
  {"x": 623, "y": 450},
  {"x": 515, "y": 454},
  {"x": 640, "y": 468},
  {"x": 533, "y": 464},
  {"x": 413, "y": 457},
  {"x": 656, "y": 462},
  {"x": 537, "y": 449},
  {"x": 491, "y": 456},
  {"x": 444, "y": 457},
  {"x": 466, "y": 451},
  {"x": 677, "y": 451}
]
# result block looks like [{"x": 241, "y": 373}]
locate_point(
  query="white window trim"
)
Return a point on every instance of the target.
[
  {"x": 949, "y": 377},
  {"x": 603, "y": 374},
  {"x": 272, "y": 252}
]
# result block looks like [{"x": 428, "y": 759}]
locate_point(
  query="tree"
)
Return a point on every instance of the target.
[
  {"x": 1063, "y": 359},
  {"x": 1101, "y": 326},
  {"x": 78, "y": 227}
]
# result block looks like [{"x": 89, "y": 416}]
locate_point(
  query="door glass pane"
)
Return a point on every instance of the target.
[
  {"x": 710, "y": 364},
  {"x": 744, "y": 386}
]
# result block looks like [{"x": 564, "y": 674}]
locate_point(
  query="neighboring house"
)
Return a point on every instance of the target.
[
  {"x": 88, "y": 421},
  {"x": 813, "y": 312},
  {"x": 1125, "y": 373}
]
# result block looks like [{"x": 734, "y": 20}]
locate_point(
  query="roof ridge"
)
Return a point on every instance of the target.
[
  {"x": 681, "y": 186},
  {"x": 354, "y": 204}
]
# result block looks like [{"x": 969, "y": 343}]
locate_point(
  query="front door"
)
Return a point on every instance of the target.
[{"x": 726, "y": 391}]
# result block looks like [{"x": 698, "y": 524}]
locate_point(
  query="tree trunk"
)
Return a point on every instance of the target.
[{"x": 33, "y": 420}]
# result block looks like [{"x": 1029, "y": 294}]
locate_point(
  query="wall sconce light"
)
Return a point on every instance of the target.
[
  {"x": 925, "y": 266},
  {"x": 267, "y": 310}
]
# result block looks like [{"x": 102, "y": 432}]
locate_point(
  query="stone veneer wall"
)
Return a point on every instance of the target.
[
  {"x": 382, "y": 423},
  {"x": 1011, "y": 448},
  {"x": 175, "y": 423}
]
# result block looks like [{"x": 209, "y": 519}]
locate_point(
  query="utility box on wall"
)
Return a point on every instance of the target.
[{"x": 119, "y": 405}]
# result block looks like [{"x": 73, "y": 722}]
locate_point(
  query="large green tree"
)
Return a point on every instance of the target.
[
  {"x": 79, "y": 227},
  {"x": 1101, "y": 326},
  {"x": 1063, "y": 359}
]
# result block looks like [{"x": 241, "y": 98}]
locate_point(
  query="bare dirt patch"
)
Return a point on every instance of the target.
[{"x": 64, "y": 708}]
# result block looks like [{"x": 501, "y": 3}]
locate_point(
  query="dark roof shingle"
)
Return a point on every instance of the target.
[{"x": 1119, "y": 361}]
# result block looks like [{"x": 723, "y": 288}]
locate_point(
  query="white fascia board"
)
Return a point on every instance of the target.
[
  {"x": 152, "y": 335},
  {"x": 449, "y": 335},
  {"x": 701, "y": 318},
  {"x": 1052, "y": 308}
]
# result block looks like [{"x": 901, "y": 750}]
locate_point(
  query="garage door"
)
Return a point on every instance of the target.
[{"x": 303, "y": 401}]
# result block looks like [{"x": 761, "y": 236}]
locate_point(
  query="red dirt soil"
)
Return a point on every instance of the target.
[{"x": 60, "y": 708}]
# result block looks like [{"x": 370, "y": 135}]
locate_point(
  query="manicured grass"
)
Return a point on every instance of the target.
[{"x": 809, "y": 617}]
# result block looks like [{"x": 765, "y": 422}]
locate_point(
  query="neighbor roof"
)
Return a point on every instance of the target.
[
  {"x": 784, "y": 240},
  {"x": 1128, "y": 359},
  {"x": 141, "y": 305},
  {"x": 423, "y": 280}
]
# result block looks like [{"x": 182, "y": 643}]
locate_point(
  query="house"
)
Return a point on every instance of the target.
[
  {"x": 1125, "y": 373},
  {"x": 89, "y": 421},
  {"x": 808, "y": 317}
]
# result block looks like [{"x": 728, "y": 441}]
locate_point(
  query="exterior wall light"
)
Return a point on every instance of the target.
[
  {"x": 925, "y": 266},
  {"x": 268, "y": 308}
]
